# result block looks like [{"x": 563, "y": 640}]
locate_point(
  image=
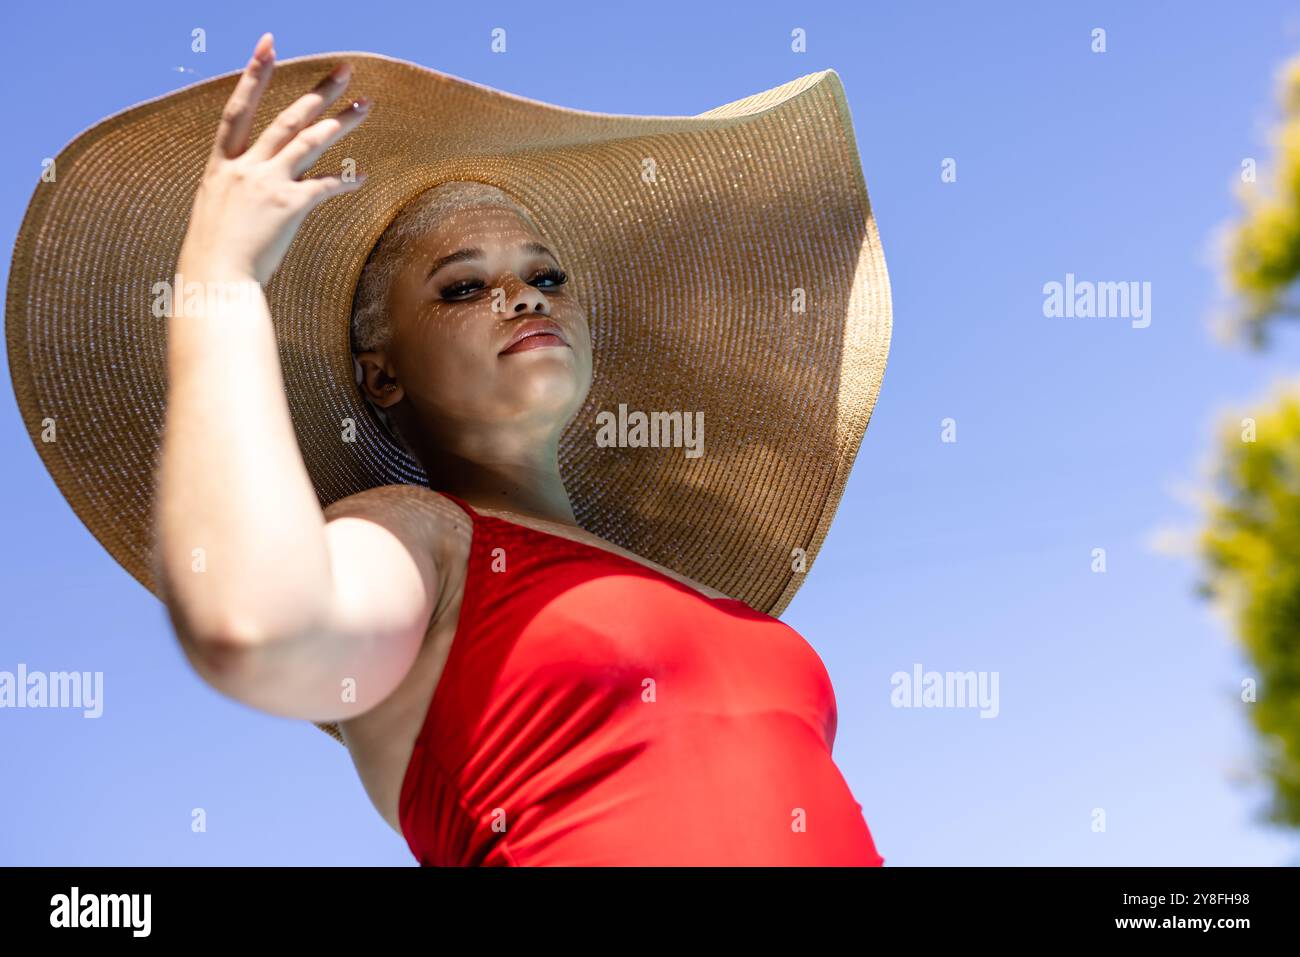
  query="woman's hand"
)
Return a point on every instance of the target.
[{"x": 250, "y": 201}]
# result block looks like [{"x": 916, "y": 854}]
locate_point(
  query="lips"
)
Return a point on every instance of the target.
[{"x": 535, "y": 334}]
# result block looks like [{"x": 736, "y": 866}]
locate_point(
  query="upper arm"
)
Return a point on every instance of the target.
[{"x": 388, "y": 550}]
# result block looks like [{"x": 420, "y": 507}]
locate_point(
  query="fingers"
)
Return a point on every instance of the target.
[
  {"x": 237, "y": 115},
  {"x": 306, "y": 148},
  {"x": 294, "y": 118},
  {"x": 318, "y": 189}
]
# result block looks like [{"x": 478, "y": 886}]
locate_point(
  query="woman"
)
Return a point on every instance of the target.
[{"x": 513, "y": 689}]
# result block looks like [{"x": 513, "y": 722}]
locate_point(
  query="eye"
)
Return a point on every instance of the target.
[
  {"x": 460, "y": 290},
  {"x": 556, "y": 277},
  {"x": 465, "y": 288}
]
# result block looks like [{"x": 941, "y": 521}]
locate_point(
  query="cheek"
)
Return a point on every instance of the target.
[
  {"x": 587, "y": 358},
  {"x": 450, "y": 359}
]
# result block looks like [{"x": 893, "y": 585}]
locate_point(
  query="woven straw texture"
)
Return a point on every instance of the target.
[{"x": 690, "y": 278}]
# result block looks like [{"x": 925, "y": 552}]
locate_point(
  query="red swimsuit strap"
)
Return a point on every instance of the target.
[{"x": 462, "y": 503}]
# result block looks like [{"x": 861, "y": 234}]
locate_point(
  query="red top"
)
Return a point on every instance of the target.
[{"x": 596, "y": 712}]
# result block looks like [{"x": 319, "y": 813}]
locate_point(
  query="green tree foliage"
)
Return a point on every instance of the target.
[
  {"x": 1264, "y": 247},
  {"x": 1251, "y": 549},
  {"x": 1251, "y": 541}
]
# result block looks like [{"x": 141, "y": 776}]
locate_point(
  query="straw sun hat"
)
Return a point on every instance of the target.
[{"x": 728, "y": 263}]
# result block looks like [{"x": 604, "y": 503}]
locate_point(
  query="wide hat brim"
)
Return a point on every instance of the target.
[{"x": 728, "y": 262}]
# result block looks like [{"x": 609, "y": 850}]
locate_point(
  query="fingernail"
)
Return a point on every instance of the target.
[
  {"x": 361, "y": 104},
  {"x": 341, "y": 72}
]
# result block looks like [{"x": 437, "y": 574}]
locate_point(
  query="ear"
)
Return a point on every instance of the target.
[{"x": 378, "y": 379}]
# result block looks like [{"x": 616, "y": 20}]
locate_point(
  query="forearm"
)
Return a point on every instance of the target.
[{"x": 241, "y": 536}]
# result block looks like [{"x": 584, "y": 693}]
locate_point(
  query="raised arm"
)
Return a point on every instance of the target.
[{"x": 265, "y": 598}]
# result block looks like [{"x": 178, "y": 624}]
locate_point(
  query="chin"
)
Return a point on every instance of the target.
[{"x": 551, "y": 393}]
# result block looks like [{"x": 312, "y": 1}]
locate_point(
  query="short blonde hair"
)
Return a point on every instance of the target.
[{"x": 371, "y": 325}]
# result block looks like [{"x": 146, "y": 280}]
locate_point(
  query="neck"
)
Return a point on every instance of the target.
[{"x": 523, "y": 482}]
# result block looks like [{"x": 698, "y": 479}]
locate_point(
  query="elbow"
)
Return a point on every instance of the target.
[
  {"x": 236, "y": 633},
  {"x": 210, "y": 630},
  {"x": 222, "y": 651},
  {"x": 224, "y": 655}
]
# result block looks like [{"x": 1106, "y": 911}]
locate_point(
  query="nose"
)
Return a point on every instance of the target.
[{"x": 523, "y": 298}]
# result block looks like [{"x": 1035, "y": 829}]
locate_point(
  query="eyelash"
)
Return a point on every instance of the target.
[{"x": 557, "y": 276}]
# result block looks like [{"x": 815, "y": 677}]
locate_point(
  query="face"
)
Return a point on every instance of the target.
[{"x": 488, "y": 342}]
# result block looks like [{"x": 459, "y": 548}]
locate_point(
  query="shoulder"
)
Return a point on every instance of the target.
[{"x": 418, "y": 516}]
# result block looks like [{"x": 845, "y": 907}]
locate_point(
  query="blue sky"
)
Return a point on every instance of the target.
[{"x": 1116, "y": 691}]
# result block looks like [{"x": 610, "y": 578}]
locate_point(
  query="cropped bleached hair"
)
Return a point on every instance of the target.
[{"x": 371, "y": 320}]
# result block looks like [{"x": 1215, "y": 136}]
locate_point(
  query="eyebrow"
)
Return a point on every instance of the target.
[{"x": 475, "y": 252}]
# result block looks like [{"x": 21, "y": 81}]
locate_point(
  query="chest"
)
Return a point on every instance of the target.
[{"x": 624, "y": 639}]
